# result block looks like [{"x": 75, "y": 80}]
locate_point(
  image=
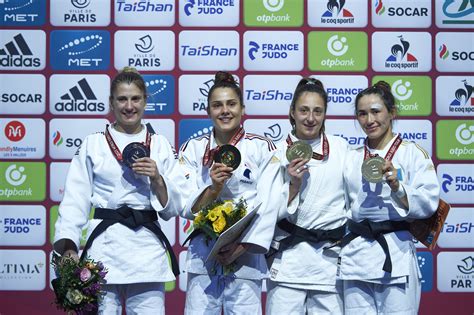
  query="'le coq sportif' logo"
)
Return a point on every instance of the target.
[
  {"x": 15, "y": 131},
  {"x": 462, "y": 96},
  {"x": 336, "y": 9}
]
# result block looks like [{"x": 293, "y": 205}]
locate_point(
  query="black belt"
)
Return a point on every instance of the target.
[
  {"x": 299, "y": 234},
  {"x": 132, "y": 219},
  {"x": 193, "y": 234},
  {"x": 376, "y": 231}
]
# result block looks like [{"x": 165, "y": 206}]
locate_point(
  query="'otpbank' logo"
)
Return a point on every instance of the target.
[
  {"x": 24, "y": 181},
  {"x": 273, "y": 12},
  {"x": 411, "y": 94},
  {"x": 455, "y": 140},
  {"x": 22, "y": 50},
  {"x": 274, "y": 51},
  {"x": 22, "y": 12},
  {"x": 345, "y": 51},
  {"x": 390, "y": 13},
  {"x": 455, "y": 52},
  {"x": 80, "y": 50},
  {"x": 160, "y": 90}
]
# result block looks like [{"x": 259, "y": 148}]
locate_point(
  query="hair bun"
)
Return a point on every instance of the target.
[
  {"x": 130, "y": 69},
  {"x": 222, "y": 76},
  {"x": 383, "y": 86}
]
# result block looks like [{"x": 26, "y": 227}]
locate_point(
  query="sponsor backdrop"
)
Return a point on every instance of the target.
[{"x": 57, "y": 59}]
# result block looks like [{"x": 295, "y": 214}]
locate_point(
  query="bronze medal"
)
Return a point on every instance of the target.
[
  {"x": 372, "y": 169},
  {"x": 299, "y": 149}
]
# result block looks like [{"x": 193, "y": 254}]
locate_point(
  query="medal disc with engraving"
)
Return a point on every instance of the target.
[
  {"x": 228, "y": 155},
  {"x": 372, "y": 169},
  {"x": 299, "y": 149},
  {"x": 133, "y": 151}
]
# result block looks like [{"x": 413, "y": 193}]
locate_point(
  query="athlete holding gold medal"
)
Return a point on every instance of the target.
[
  {"x": 302, "y": 270},
  {"x": 389, "y": 183}
]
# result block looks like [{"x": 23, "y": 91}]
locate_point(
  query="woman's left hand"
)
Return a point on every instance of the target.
[
  {"x": 390, "y": 174},
  {"x": 147, "y": 167},
  {"x": 229, "y": 253}
]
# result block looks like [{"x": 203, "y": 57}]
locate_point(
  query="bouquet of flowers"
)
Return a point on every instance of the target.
[
  {"x": 78, "y": 286},
  {"x": 218, "y": 216}
]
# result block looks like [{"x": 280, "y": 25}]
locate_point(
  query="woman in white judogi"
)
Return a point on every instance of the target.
[
  {"x": 381, "y": 274},
  {"x": 209, "y": 289},
  {"x": 302, "y": 270},
  {"x": 134, "y": 256}
]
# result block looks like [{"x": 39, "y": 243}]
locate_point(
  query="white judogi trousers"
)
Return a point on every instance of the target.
[
  {"x": 210, "y": 295},
  {"x": 139, "y": 299}
]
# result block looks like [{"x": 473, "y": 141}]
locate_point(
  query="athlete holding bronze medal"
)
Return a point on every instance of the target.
[
  {"x": 130, "y": 176},
  {"x": 229, "y": 164},
  {"x": 302, "y": 270},
  {"x": 389, "y": 183}
]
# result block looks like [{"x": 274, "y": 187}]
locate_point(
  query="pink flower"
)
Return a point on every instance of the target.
[{"x": 85, "y": 274}]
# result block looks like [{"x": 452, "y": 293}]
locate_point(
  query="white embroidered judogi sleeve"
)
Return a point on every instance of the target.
[{"x": 75, "y": 207}]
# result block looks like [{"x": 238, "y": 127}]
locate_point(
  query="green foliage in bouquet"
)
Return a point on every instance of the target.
[
  {"x": 218, "y": 216},
  {"x": 78, "y": 286}
]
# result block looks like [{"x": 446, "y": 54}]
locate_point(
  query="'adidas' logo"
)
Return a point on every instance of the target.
[
  {"x": 79, "y": 98},
  {"x": 14, "y": 53}
]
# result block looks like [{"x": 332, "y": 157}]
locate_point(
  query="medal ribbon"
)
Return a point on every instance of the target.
[
  {"x": 209, "y": 154},
  {"x": 316, "y": 156},
  {"x": 390, "y": 152},
  {"x": 114, "y": 148}
]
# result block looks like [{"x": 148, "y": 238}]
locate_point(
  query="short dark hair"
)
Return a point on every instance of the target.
[{"x": 223, "y": 79}]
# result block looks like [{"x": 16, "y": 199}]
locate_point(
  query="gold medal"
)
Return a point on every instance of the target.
[
  {"x": 299, "y": 149},
  {"x": 372, "y": 169},
  {"x": 228, "y": 155}
]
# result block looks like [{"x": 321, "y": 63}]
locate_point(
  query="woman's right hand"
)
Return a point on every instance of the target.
[
  {"x": 219, "y": 174},
  {"x": 296, "y": 169}
]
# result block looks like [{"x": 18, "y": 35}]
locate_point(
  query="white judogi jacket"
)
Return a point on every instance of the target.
[
  {"x": 362, "y": 259},
  {"x": 97, "y": 179},
  {"x": 257, "y": 180},
  {"x": 320, "y": 204}
]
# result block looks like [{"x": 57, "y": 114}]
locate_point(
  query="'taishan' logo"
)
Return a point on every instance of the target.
[
  {"x": 15, "y": 131},
  {"x": 336, "y": 13},
  {"x": 400, "y": 57}
]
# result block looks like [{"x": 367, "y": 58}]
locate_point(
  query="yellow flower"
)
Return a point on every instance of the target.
[
  {"x": 228, "y": 206},
  {"x": 198, "y": 219},
  {"x": 219, "y": 224},
  {"x": 213, "y": 214}
]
